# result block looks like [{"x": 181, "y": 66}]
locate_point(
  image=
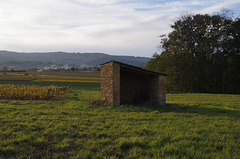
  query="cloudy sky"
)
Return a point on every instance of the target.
[{"x": 117, "y": 27}]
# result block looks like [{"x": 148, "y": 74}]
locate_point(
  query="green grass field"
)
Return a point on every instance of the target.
[
  {"x": 191, "y": 126},
  {"x": 85, "y": 80}
]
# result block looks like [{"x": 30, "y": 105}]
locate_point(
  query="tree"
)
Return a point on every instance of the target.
[{"x": 201, "y": 54}]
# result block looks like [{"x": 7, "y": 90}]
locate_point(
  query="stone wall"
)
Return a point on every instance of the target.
[
  {"x": 124, "y": 84},
  {"x": 116, "y": 84},
  {"x": 110, "y": 83},
  {"x": 107, "y": 82},
  {"x": 161, "y": 90}
]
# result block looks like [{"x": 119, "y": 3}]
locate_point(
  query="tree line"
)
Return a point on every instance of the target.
[{"x": 201, "y": 54}]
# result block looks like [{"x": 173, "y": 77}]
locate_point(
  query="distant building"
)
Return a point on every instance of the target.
[
  {"x": 98, "y": 69},
  {"x": 46, "y": 68},
  {"x": 39, "y": 70},
  {"x": 65, "y": 67},
  {"x": 83, "y": 67},
  {"x": 54, "y": 67},
  {"x": 126, "y": 84}
]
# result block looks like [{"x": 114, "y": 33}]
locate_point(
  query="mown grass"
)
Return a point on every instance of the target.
[
  {"x": 62, "y": 73},
  {"x": 52, "y": 73},
  {"x": 86, "y": 80},
  {"x": 191, "y": 126},
  {"x": 80, "y": 80}
]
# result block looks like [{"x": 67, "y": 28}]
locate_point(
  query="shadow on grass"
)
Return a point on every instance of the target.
[{"x": 177, "y": 108}]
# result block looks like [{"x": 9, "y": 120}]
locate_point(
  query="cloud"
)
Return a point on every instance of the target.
[
  {"x": 216, "y": 7},
  {"x": 128, "y": 27},
  {"x": 95, "y": 2}
]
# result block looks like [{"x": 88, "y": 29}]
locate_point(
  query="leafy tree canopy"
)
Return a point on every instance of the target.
[{"x": 201, "y": 54}]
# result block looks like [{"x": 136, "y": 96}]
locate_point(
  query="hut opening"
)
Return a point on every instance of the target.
[{"x": 125, "y": 84}]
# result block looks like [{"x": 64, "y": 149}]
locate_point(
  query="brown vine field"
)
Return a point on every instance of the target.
[
  {"x": 81, "y": 77},
  {"x": 33, "y": 92}
]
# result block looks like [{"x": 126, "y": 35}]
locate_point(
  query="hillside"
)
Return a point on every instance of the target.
[{"x": 19, "y": 60}]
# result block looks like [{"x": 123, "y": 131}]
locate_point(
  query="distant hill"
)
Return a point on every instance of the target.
[{"x": 30, "y": 60}]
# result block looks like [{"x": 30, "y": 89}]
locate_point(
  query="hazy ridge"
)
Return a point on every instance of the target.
[{"x": 22, "y": 60}]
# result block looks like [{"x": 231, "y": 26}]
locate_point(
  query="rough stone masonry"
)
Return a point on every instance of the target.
[{"x": 125, "y": 84}]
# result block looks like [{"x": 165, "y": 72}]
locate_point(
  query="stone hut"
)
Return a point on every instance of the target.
[{"x": 125, "y": 84}]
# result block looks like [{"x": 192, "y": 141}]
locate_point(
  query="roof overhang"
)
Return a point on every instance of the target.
[{"x": 135, "y": 69}]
